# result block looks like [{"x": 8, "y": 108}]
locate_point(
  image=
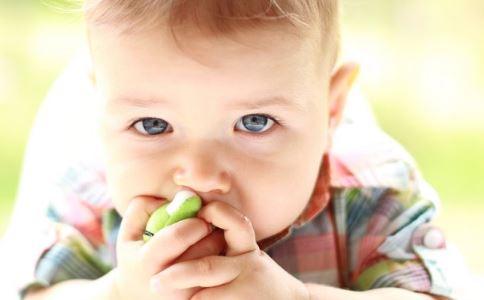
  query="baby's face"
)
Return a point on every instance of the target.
[{"x": 242, "y": 122}]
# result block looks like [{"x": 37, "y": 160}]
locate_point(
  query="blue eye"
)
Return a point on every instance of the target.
[
  {"x": 256, "y": 123},
  {"x": 151, "y": 126}
]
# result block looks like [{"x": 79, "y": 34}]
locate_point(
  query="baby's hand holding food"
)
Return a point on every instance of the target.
[
  {"x": 138, "y": 261},
  {"x": 246, "y": 272}
]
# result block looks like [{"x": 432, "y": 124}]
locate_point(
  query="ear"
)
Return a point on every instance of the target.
[
  {"x": 339, "y": 87},
  {"x": 341, "y": 82}
]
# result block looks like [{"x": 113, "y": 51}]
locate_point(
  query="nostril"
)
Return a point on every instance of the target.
[{"x": 202, "y": 182}]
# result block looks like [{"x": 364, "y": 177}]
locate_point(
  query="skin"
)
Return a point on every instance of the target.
[
  {"x": 209, "y": 152},
  {"x": 242, "y": 176}
]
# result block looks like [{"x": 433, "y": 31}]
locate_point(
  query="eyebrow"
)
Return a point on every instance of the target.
[
  {"x": 270, "y": 101},
  {"x": 257, "y": 104}
]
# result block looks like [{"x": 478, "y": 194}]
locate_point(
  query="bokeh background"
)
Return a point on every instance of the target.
[{"x": 421, "y": 69}]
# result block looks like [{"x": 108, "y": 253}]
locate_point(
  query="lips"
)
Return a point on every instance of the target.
[{"x": 161, "y": 199}]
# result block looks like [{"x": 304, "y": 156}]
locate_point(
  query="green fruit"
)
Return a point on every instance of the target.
[{"x": 185, "y": 205}]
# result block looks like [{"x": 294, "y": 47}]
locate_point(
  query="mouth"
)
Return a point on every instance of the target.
[
  {"x": 156, "y": 198},
  {"x": 205, "y": 200}
]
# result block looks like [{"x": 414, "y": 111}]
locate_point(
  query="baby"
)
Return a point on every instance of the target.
[{"x": 240, "y": 102}]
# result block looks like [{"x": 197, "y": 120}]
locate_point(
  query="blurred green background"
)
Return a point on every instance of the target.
[{"x": 421, "y": 68}]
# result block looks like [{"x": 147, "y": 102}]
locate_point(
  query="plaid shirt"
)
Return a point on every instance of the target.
[{"x": 366, "y": 225}]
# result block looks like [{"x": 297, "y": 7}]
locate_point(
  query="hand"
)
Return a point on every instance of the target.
[
  {"x": 245, "y": 272},
  {"x": 139, "y": 261}
]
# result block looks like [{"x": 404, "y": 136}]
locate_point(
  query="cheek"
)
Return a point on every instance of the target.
[
  {"x": 277, "y": 199},
  {"x": 131, "y": 176},
  {"x": 130, "y": 170}
]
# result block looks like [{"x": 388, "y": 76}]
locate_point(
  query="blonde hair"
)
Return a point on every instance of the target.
[{"x": 319, "y": 17}]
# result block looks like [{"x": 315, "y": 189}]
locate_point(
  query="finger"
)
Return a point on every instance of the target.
[
  {"x": 135, "y": 217},
  {"x": 207, "y": 271},
  {"x": 212, "y": 244},
  {"x": 218, "y": 292},
  {"x": 172, "y": 241},
  {"x": 239, "y": 233}
]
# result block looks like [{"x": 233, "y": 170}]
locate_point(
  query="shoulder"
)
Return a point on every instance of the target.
[
  {"x": 365, "y": 158},
  {"x": 384, "y": 208},
  {"x": 376, "y": 183}
]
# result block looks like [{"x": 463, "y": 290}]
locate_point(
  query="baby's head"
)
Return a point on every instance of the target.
[{"x": 236, "y": 100}]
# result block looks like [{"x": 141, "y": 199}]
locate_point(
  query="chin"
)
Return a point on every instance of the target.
[{"x": 259, "y": 236}]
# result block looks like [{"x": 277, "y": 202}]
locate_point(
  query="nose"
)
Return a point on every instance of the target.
[{"x": 202, "y": 171}]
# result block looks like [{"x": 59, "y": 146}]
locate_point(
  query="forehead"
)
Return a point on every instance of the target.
[
  {"x": 254, "y": 62},
  {"x": 207, "y": 49}
]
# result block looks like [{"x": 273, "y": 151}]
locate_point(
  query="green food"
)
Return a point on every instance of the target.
[{"x": 185, "y": 205}]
